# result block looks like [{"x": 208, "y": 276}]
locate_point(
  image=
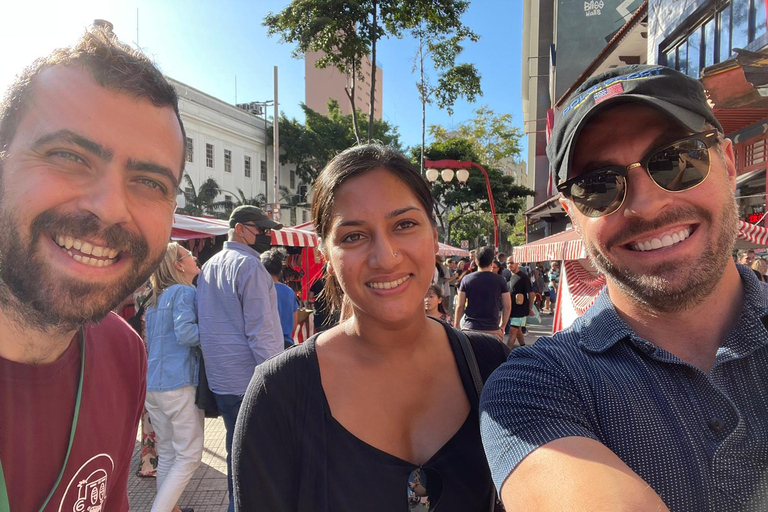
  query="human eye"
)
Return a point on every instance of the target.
[
  {"x": 352, "y": 237},
  {"x": 406, "y": 224},
  {"x": 153, "y": 185},
  {"x": 66, "y": 155}
]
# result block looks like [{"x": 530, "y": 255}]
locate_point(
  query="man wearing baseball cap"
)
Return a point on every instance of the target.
[
  {"x": 655, "y": 399},
  {"x": 237, "y": 314}
]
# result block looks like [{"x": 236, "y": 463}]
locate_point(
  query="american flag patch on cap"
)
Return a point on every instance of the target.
[{"x": 609, "y": 92}]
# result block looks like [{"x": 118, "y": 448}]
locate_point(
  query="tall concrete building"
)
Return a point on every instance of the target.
[{"x": 320, "y": 85}]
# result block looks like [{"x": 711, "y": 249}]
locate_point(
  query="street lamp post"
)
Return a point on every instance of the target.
[{"x": 462, "y": 174}]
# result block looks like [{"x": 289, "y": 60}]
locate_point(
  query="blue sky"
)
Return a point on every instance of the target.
[{"x": 205, "y": 44}]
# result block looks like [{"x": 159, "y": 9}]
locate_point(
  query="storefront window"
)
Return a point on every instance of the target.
[
  {"x": 724, "y": 33},
  {"x": 740, "y": 26},
  {"x": 760, "y": 19},
  {"x": 682, "y": 58},
  {"x": 694, "y": 53},
  {"x": 709, "y": 43},
  {"x": 672, "y": 58}
]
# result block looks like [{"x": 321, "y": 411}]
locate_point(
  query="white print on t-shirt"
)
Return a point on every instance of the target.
[{"x": 91, "y": 490}]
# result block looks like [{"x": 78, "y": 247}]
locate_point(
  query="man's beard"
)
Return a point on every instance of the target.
[
  {"x": 655, "y": 289},
  {"x": 36, "y": 297}
]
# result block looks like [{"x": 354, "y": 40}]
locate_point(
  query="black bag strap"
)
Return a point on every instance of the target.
[
  {"x": 477, "y": 379},
  {"x": 469, "y": 355}
]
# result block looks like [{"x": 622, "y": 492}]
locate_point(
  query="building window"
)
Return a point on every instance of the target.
[
  {"x": 228, "y": 198},
  {"x": 712, "y": 40},
  {"x": 227, "y": 160},
  {"x": 264, "y": 171},
  {"x": 247, "y": 166},
  {"x": 190, "y": 150},
  {"x": 292, "y": 179},
  {"x": 209, "y": 155},
  {"x": 189, "y": 190}
]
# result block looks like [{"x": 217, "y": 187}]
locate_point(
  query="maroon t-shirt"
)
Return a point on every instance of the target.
[{"x": 36, "y": 407}]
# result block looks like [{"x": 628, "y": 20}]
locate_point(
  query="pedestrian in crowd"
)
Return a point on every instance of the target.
[
  {"x": 553, "y": 285},
  {"x": 496, "y": 267},
  {"x": 324, "y": 319},
  {"x": 238, "y": 316},
  {"x": 91, "y": 149},
  {"x": 647, "y": 402},
  {"x": 433, "y": 304},
  {"x": 759, "y": 266},
  {"x": 172, "y": 341},
  {"x": 537, "y": 284},
  {"x": 453, "y": 268},
  {"x": 484, "y": 296},
  {"x": 505, "y": 273},
  {"x": 287, "y": 303},
  {"x": 522, "y": 296},
  {"x": 381, "y": 409},
  {"x": 747, "y": 257}
]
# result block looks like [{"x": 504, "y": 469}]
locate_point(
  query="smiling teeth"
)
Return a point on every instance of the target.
[
  {"x": 664, "y": 241},
  {"x": 67, "y": 242},
  {"x": 388, "y": 285}
]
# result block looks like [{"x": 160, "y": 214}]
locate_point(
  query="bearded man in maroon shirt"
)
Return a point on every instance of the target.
[{"x": 91, "y": 154}]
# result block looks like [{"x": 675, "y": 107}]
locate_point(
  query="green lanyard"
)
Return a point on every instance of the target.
[{"x": 4, "y": 504}]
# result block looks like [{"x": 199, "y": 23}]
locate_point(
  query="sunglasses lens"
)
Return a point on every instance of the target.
[
  {"x": 599, "y": 193},
  {"x": 680, "y": 166},
  {"x": 425, "y": 486}
]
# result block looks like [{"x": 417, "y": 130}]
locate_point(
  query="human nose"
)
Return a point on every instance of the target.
[
  {"x": 106, "y": 198},
  {"x": 644, "y": 197},
  {"x": 385, "y": 253}
]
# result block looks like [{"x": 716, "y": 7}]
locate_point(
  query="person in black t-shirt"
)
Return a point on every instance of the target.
[
  {"x": 522, "y": 302},
  {"x": 322, "y": 318},
  {"x": 484, "y": 297}
]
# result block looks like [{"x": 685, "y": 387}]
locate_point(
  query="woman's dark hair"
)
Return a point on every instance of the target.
[
  {"x": 498, "y": 264},
  {"x": 437, "y": 290},
  {"x": 352, "y": 162},
  {"x": 273, "y": 261}
]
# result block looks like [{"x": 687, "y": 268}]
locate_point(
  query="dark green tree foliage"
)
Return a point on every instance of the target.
[
  {"x": 200, "y": 201},
  {"x": 312, "y": 145},
  {"x": 348, "y": 31},
  {"x": 453, "y": 200}
]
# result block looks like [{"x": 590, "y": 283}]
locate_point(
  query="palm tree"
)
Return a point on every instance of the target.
[
  {"x": 227, "y": 205},
  {"x": 290, "y": 199},
  {"x": 200, "y": 201}
]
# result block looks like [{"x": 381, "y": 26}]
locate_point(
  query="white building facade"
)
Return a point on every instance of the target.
[{"x": 232, "y": 146}]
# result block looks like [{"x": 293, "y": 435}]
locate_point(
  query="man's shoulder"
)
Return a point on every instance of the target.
[{"x": 113, "y": 337}]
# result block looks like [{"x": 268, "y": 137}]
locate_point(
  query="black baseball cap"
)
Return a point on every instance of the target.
[
  {"x": 248, "y": 213},
  {"x": 675, "y": 94}
]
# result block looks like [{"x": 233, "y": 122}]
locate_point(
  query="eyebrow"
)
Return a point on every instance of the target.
[
  {"x": 70, "y": 137},
  {"x": 134, "y": 165},
  {"x": 390, "y": 215}
]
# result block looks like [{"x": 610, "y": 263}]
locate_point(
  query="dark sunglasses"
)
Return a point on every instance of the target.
[
  {"x": 425, "y": 486},
  {"x": 681, "y": 165}
]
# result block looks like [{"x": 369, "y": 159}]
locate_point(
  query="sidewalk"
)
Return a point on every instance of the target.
[{"x": 206, "y": 492}]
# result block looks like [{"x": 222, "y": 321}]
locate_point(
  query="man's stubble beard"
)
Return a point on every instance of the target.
[
  {"x": 654, "y": 290},
  {"x": 34, "y": 297}
]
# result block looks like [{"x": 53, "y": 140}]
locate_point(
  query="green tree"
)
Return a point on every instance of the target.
[
  {"x": 292, "y": 200},
  {"x": 440, "y": 43},
  {"x": 311, "y": 145},
  {"x": 226, "y": 206},
  {"x": 493, "y": 136},
  {"x": 346, "y": 32},
  {"x": 453, "y": 201},
  {"x": 200, "y": 201}
]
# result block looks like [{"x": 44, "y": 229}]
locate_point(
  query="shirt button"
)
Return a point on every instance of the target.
[{"x": 716, "y": 424}]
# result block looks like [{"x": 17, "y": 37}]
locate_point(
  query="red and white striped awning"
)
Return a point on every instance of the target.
[
  {"x": 449, "y": 250},
  {"x": 293, "y": 237},
  {"x": 560, "y": 246},
  {"x": 753, "y": 233}
]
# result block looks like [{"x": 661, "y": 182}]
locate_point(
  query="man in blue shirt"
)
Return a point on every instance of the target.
[
  {"x": 655, "y": 399},
  {"x": 237, "y": 314}
]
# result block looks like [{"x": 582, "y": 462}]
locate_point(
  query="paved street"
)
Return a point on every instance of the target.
[{"x": 207, "y": 491}]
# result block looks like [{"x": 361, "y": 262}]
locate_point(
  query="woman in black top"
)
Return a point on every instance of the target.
[{"x": 378, "y": 413}]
